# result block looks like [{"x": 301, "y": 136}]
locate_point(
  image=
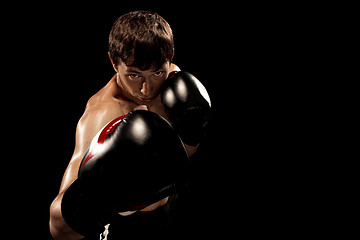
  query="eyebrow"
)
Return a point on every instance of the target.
[
  {"x": 158, "y": 69},
  {"x": 135, "y": 71},
  {"x": 131, "y": 71}
]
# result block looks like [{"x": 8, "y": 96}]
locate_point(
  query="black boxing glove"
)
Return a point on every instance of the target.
[
  {"x": 131, "y": 163},
  {"x": 188, "y": 104}
]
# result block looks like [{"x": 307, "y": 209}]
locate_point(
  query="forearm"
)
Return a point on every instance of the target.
[{"x": 58, "y": 227}]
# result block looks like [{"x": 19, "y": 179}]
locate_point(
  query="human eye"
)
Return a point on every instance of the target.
[
  {"x": 158, "y": 73},
  {"x": 133, "y": 75}
]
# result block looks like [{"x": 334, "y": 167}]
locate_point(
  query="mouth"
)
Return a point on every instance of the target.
[{"x": 146, "y": 99}]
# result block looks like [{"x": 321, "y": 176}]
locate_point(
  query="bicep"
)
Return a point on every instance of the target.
[
  {"x": 85, "y": 131},
  {"x": 88, "y": 126}
]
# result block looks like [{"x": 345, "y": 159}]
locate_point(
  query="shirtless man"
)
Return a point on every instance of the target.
[{"x": 141, "y": 49}]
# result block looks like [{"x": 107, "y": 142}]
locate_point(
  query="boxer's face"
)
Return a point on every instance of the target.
[{"x": 142, "y": 86}]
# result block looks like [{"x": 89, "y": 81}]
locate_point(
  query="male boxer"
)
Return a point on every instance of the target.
[{"x": 141, "y": 49}]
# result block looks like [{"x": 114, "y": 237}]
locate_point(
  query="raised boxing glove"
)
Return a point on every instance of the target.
[
  {"x": 131, "y": 163},
  {"x": 188, "y": 104}
]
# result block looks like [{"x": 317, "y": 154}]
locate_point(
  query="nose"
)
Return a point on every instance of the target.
[{"x": 145, "y": 88}]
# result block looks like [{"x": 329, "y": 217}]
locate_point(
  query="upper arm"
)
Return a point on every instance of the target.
[
  {"x": 84, "y": 133},
  {"x": 88, "y": 126},
  {"x": 92, "y": 121}
]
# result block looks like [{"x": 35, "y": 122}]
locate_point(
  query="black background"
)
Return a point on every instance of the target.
[{"x": 58, "y": 60}]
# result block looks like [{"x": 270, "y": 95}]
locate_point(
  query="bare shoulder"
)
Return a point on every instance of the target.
[
  {"x": 106, "y": 94},
  {"x": 100, "y": 109}
]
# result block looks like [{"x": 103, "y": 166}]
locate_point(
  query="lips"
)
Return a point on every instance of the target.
[{"x": 146, "y": 99}]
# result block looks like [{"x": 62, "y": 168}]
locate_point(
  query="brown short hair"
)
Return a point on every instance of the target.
[{"x": 141, "y": 39}]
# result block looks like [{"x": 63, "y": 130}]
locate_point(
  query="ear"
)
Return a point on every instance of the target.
[{"x": 112, "y": 62}]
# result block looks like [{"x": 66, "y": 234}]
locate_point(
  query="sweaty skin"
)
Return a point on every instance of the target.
[{"x": 130, "y": 89}]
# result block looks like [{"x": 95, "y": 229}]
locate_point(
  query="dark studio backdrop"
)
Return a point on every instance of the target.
[
  {"x": 72, "y": 46},
  {"x": 236, "y": 51}
]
